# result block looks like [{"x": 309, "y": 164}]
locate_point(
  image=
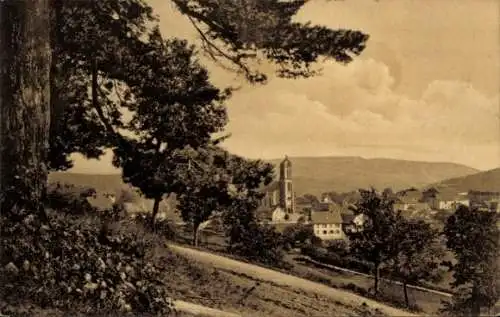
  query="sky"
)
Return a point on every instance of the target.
[{"x": 427, "y": 87}]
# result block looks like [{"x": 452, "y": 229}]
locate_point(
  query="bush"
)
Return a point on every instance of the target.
[
  {"x": 162, "y": 227},
  {"x": 259, "y": 243},
  {"x": 297, "y": 234},
  {"x": 348, "y": 262},
  {"x": 339, "y": 247},
  {"x": 77, "y": 264}
]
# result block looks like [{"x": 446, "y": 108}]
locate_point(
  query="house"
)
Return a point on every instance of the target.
[
  {"x": 330, "y": 221},
  {"x": 492, "y": 205},
  {"x": 411, "y": 200},
  {"x": 450, "y": 201},
  {"x": 420, "y": 206},
  {"x": 327, "y": 225},
  {"x": 278, "y": 203},
  {"x": 484, "y": 200}
]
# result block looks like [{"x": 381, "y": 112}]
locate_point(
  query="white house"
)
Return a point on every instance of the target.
[{"x": 327, "y": 225}]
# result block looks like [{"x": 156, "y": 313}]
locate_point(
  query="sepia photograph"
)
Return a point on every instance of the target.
[{"x": 250, "y": 158}]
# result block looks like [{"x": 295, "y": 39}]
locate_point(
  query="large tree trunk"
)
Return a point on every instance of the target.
[
  {"x": 25, "y": 60},
  {"x": 56, "y": 105}
]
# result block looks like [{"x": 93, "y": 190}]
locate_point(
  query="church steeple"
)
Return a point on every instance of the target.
[
  {"x": 286, "y": 169},
  {"x": 286, "y": 186}
]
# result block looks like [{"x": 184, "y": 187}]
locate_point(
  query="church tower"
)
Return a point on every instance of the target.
[{"x": 287, "y": 199}]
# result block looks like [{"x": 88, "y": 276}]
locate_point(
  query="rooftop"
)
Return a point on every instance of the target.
[{"x": 326, "y": 217}]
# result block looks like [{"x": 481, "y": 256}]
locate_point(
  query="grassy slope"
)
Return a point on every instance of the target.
[
  {"x": 319, "y": 174},
  {"x": 482, "y": 181}
]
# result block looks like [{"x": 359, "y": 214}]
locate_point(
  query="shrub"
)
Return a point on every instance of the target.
[
  {"x": 162, "y": 227},
  {"x": 77, "y": 264},
  {"x": 339, "y": 247},
  {"x": 259, "y": 243},
  {"x": 297, "y": 234},
  {"x": 348, "y": 262}
]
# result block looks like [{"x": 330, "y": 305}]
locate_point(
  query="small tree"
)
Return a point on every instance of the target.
[
  {"x": 204, "y": 187},
  {"x": 473, "y": 237},
  {"x": 216, "y": 181},
  {"x": 419, "y": 253},
  {"x": 373, "y": 241}
]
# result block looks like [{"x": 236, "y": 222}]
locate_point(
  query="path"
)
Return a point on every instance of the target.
[
  {"x": 199, "y": 310},
  {"x": 269, "y": 275}
]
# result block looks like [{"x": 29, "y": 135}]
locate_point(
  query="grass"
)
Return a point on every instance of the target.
[{"x": 390, "y": 293}]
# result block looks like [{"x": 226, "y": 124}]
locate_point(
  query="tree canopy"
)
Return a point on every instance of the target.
[
  {"x": 375, "y": 239},
  {"x": 474, "y": 238},
  {"x": 120, "y": 42}
]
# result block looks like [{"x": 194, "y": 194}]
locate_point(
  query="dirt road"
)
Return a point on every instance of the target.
[
  {"x": 344, "y": 297},
  {"x": 199, "y": 310}
]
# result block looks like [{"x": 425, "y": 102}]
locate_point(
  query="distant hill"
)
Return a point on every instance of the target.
[
  {"x": 483, "y": 181},
  {"x": 108, "y": 183},
  {"x": 316, "y": 175}
]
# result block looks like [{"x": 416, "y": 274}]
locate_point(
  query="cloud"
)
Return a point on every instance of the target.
[{"x": 354, "y": 110}]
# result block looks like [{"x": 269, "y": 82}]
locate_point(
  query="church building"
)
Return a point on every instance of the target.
[{"x": 278, "y": 204}]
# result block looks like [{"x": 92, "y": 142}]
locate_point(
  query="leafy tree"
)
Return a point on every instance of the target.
[
  {"x": 175, "y": 107},
  {"x": 97, "y": 48},
  {"x": 239, "y": 219},
  {"x": 215, "y": 182},
  {"x": 205, "y": 188},
  {"x": 89, "y": 39},
  {"x": 473, "y": 236},
  {"x": 95, "y": 43},
  {"x": 420, "y": 253},
  {"x": 374, "y": 240},
  {"x": 260, "y": 243},
  {"x": 24, "y": 102},
  {"x": 242, "y": 32}
]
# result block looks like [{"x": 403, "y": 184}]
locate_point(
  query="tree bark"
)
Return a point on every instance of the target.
[
  {"x": 156, "y": 208},
  {"x": 405, "y": 290},
  {"x": 56, "y": 107},
  {"x": 25, "y": 61}
]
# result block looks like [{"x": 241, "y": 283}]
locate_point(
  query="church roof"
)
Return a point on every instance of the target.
[{"x": 285, "y": 162}]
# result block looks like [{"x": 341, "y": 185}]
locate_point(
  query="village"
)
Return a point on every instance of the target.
[{"x": 330, "y": 219}]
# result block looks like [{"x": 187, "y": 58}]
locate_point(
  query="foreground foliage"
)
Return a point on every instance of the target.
[{"x": 76, "y": 264}]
